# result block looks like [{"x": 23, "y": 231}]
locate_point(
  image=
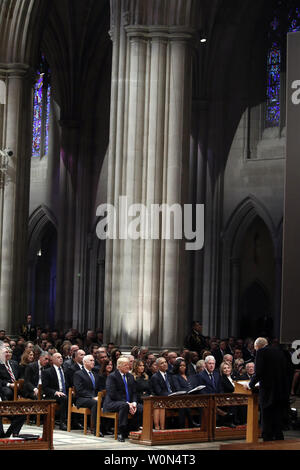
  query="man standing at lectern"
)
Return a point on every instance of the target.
[{"x": 272, "y": 373}]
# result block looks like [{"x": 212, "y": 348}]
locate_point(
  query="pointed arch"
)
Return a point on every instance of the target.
[{"x": 233, "y": 235}]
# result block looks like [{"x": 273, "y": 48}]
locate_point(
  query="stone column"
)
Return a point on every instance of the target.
[
  {"x": 17, "y": 132},
  {"x": 145, "y": 301},
  {"x": 66, "y": 223}
]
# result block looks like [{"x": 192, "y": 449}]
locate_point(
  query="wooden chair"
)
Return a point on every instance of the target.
[
  {"x": 18, "y": 385},
  {"x": 106, "y": 414},
  {"x": 73, "y": 409}
]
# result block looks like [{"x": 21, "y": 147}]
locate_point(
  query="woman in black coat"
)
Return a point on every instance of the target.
[
  {"x": 143, "y": 384},
  {"x": 234, "y": 413}
]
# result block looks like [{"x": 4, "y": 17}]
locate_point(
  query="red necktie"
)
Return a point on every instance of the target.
[{"x": 9, "y": 370}]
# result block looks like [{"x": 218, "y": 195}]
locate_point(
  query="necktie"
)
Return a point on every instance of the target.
[
  {"x": 168, "y": 384},
  {"x": 9, "y": 370},
  {"x": 126, "y": 388},
  {"x": 92, "y": 378},
  {"x": 212, "y": 380},
  {"x": 62, "y": 380}
]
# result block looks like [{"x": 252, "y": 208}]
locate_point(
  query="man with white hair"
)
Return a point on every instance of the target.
[
  {"x": 16, "y": 421},
  {"x": 210, "y": 377},
  {"x": 272, "y": 373},
  {"x": 121, "y": 397},
  {"x": 87, "y": 386}
]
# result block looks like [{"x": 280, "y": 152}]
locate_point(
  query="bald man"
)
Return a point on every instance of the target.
[{"x": 55, "y": 386}]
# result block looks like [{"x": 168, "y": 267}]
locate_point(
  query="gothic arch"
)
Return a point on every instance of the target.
[
  {"x": 232, "y": 237},
  {"x": 42, "y": 224}
]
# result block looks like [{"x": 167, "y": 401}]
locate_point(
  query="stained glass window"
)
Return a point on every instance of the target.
[
  {"x": 286, "y": 19},
  {"x": 41, "y": 111}
]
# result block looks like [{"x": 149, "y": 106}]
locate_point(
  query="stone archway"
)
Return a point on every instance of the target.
[
  {"x": 240, "y": 222},
  {"x": 42, "y": 266}
]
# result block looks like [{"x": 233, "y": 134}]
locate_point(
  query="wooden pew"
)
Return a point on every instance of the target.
[
  {"x": 149, "y": 436},
  {"x": 30, "y": 407},
  {"x": 207, "y": 432}
]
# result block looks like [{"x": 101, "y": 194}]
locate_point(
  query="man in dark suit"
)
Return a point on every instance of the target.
[
  {"x": 28, "y": 330},
  {"x": 272, "y": 373},
  {"x": 55, "y": 386},
  {"x": 33, "y": 376},
  {"x": 75, "y": 365},
  {"x": 121, "y": 397},
  {"x": 87, "y": 386},
  {"x": 9, "y": 374},
  {"x": 210, "y": 377},
  {"x": 192, "y": 369},
  {"x": 161, "y": 381},
  {"x": 195, "y": 341}
]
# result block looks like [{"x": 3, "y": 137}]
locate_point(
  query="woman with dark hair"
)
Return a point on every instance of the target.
[
  {"x": 143, "y": 385},
  {"x": 114, "y": 355},
  {"x": 182, "y": 382},
  {"x": 105, "y": 369}
]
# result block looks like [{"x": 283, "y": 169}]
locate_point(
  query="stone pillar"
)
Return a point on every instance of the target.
[
  {"x": 145, "y": 295},
  {"x": 17, "y": 132},
  {"x": 66, "y": 223}
]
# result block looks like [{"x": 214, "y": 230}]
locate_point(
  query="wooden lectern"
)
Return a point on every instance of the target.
[{"x": 252, "y": 432}]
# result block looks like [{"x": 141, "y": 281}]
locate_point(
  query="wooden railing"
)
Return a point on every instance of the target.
[{"x": 30, "y": 407}]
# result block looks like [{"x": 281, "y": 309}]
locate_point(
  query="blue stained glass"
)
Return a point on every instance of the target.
[
  {"x": 37, "y": 117},
  {"x": 274, "y": 66},
  {"x": 41, "y": 114},
  {"x": 273, "y": 90}
]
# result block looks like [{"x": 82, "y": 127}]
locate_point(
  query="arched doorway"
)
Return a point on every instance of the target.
[
  {"x": 257, "y": 282},
  {"x": 42, "y": 268}
]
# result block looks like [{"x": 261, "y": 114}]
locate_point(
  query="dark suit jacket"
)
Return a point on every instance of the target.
[
  {"x": 218, "y": 357},
  {"x": 272, "y": 373},
  {"x": 70, "y": 371},
  {"x": 50, "y": 383},
  {"x": 115, "y": 389},
  {"x": 4, "y": 375},
  {"x": 191, "y": 370},
  {"x": 158, "y": 384},
  {"x": 31, "y": 378},
  {"x": 204, "y": 379},
  {"x": 84, "y": 387}
]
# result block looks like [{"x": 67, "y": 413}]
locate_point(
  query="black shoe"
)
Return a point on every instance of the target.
[
  {"x": 109, "y": 432},
  {"x": 121, "y": 438},
  {"x": 63, "y": 427},
  {"x": 78, "y": 426}
]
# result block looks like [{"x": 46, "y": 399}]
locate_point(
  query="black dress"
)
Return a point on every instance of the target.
[{"x": 143, "y": 387}]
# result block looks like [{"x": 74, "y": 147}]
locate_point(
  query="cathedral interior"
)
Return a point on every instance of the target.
[{"x": 164, "y": 102}]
